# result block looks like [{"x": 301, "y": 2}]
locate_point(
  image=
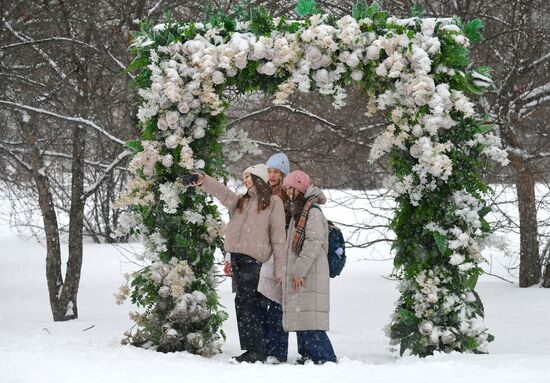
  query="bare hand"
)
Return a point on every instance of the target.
[
  {"x": 298, "y": 282},
  {"x": 199, "y": 182},
  {"x": 227, "y": 270}
]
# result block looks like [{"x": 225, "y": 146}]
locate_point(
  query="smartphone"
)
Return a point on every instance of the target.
[{"x": 188, "y": 179}]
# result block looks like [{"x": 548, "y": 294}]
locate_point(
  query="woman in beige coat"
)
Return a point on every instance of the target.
[
  {"x": 306, "y": 287},
  {"x": 255, "y": 230}
]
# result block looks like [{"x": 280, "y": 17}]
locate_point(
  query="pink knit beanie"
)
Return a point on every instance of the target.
[{"x": 297, "y": 180}]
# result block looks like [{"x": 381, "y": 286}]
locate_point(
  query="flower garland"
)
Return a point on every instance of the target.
[{"x": 417, "y": 71}]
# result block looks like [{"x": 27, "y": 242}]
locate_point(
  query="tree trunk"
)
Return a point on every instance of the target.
[
  {"x": 529, "y": 268},
  {"x": 68, "y": 299},
  {"x": 54, "y": 276},
  {"x": 546, "y": 255}
]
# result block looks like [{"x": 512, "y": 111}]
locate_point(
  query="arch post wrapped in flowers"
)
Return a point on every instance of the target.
[{"x": 416, "y": 71}]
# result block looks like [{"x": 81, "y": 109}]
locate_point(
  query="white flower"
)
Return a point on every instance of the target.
[
  {"x": 415, "y": 151},
  {"x": 357, "y": 75},
  {"x": 183, "y": 107},
  {"x": 162, "y": 124},
  {"x": 164, "y": 291},
  {"x": 241, "y": 61},
  {"x": 432, "y": 298},
  {"x": 201, "y": 123},
  {"x": 167, "y": 160},
  {"x": 321, "y": 76},
  {"x": 199, "y": 164},
  {"x": 313, "y": 54},
  {"x": 425, "y": 327},
  {"x": 171, "y": 141},
  {"x": 352, "y": 60},
  {"x": 268, "y": 68},
  {"x": 218, "y": 77},
  {"x": 456, "y": 259},
  {"x": 373, "y": 51},
  {"x": 447, "y": 337},
  {"x": 172, "y": 118},
  {"x": 417, "y": 131},
  {"x": 198, "y": 133},
  {"x": 195, "y": 103}
]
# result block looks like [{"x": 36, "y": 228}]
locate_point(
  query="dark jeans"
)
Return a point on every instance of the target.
[
  {"x": 315, "y": 345},
  {"x": 246, "y": 271},
  {"x": 276, "y": 338}
]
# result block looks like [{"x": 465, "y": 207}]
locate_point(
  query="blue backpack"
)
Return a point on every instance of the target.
[{"x": 336, "y": 249}]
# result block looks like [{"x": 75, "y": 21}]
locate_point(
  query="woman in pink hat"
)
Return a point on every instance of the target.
[
  {"x": 306, "y": 286},
  {"x": 255, "y": 231}
]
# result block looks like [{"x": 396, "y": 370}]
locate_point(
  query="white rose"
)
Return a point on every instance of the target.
[
  {"x": 218, "y": 77},
  {"x": 162, "y": 124},
  {"x": 164, "y": 291},
  {"x": 373, "y": 52},
  {"x": 381, "y": 70},
  {"x": 343, "y": 56},
  {"x": 195, "y": 103},
  {"x": 167, "y": 160},
  {"x": 352, "y": 60},
  {"x": 447, "y": 337},
  {"x": 183, "y": 107},
  {"x": 432, "y": 298},
  {"x": 241, "y": 61},
  {"x": 357, "y": 75},
  {"x": 201, "y": 123},
  {"x": 156, "y": 87},
  {"x": 325, "y": 60},
  {"x": 172, "y": 118},
  {"x": 417, "y": 131},
  {"x": 456, "y": 259},
  {"x": 171, "y": 142},
  {"x": 268, "y": 68},
  {"x": 426, "y": 327},
  {"x": 415, "y": 151},
  {"x": 321, "y": 76},
  {"x": 199, "y": 133},
  {"x": 313, "y": 54},
  {"x": 199, "y": 164},
  {"x": 187, "y": 97},
  {"x": 232, "y": 72}
]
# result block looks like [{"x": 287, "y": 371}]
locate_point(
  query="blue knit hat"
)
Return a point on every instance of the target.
[{"x": 279, "y": 161}]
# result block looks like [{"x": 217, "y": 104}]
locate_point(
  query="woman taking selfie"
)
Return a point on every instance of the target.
[
  {"x": 256, "y": 229},
  {"x": 306, "y": 287}
]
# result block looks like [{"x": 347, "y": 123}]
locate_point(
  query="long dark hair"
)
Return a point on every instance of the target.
[
  {"x": 297, "y": 206},
  {"x": 263, "y": 190}
]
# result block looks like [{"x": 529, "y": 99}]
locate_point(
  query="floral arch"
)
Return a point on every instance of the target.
[{"x": 415, "y": 70}]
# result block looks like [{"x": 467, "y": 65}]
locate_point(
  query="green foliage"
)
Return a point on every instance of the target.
[
  {"x": 261, "y": 23},
  {"x": 417, "y": 10},
  {"x": 360, "y": 10},
  {"x": 135, "y": 145},
  {"x": 306, "y": 7},
  {"x": 472, "y": 30}
]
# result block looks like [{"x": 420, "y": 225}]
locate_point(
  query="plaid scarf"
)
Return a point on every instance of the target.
[{"x": 300, "y": 233}]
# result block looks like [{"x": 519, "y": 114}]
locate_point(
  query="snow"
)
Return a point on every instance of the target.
[{"x": 33, "y": 348}]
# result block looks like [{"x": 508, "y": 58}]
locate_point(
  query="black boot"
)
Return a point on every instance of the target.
[{"x": 251, "y": 356}]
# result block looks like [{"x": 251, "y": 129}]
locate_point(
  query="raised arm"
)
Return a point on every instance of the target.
[{"x": 216, "y": 189}]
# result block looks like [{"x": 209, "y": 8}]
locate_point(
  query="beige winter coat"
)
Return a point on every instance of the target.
[
  {"x": 257, "y": 234},
  {"x": 268, "y": 286},
  {"x": 307, "y": 308}
]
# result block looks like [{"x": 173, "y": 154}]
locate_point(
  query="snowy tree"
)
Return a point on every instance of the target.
[{"x": 66, "y": 113}]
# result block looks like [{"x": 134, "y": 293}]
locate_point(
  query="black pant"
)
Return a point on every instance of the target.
[{"x": 246, "y": 270}]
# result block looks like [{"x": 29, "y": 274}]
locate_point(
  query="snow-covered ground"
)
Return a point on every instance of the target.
[{"x": 35, "y": 349}]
